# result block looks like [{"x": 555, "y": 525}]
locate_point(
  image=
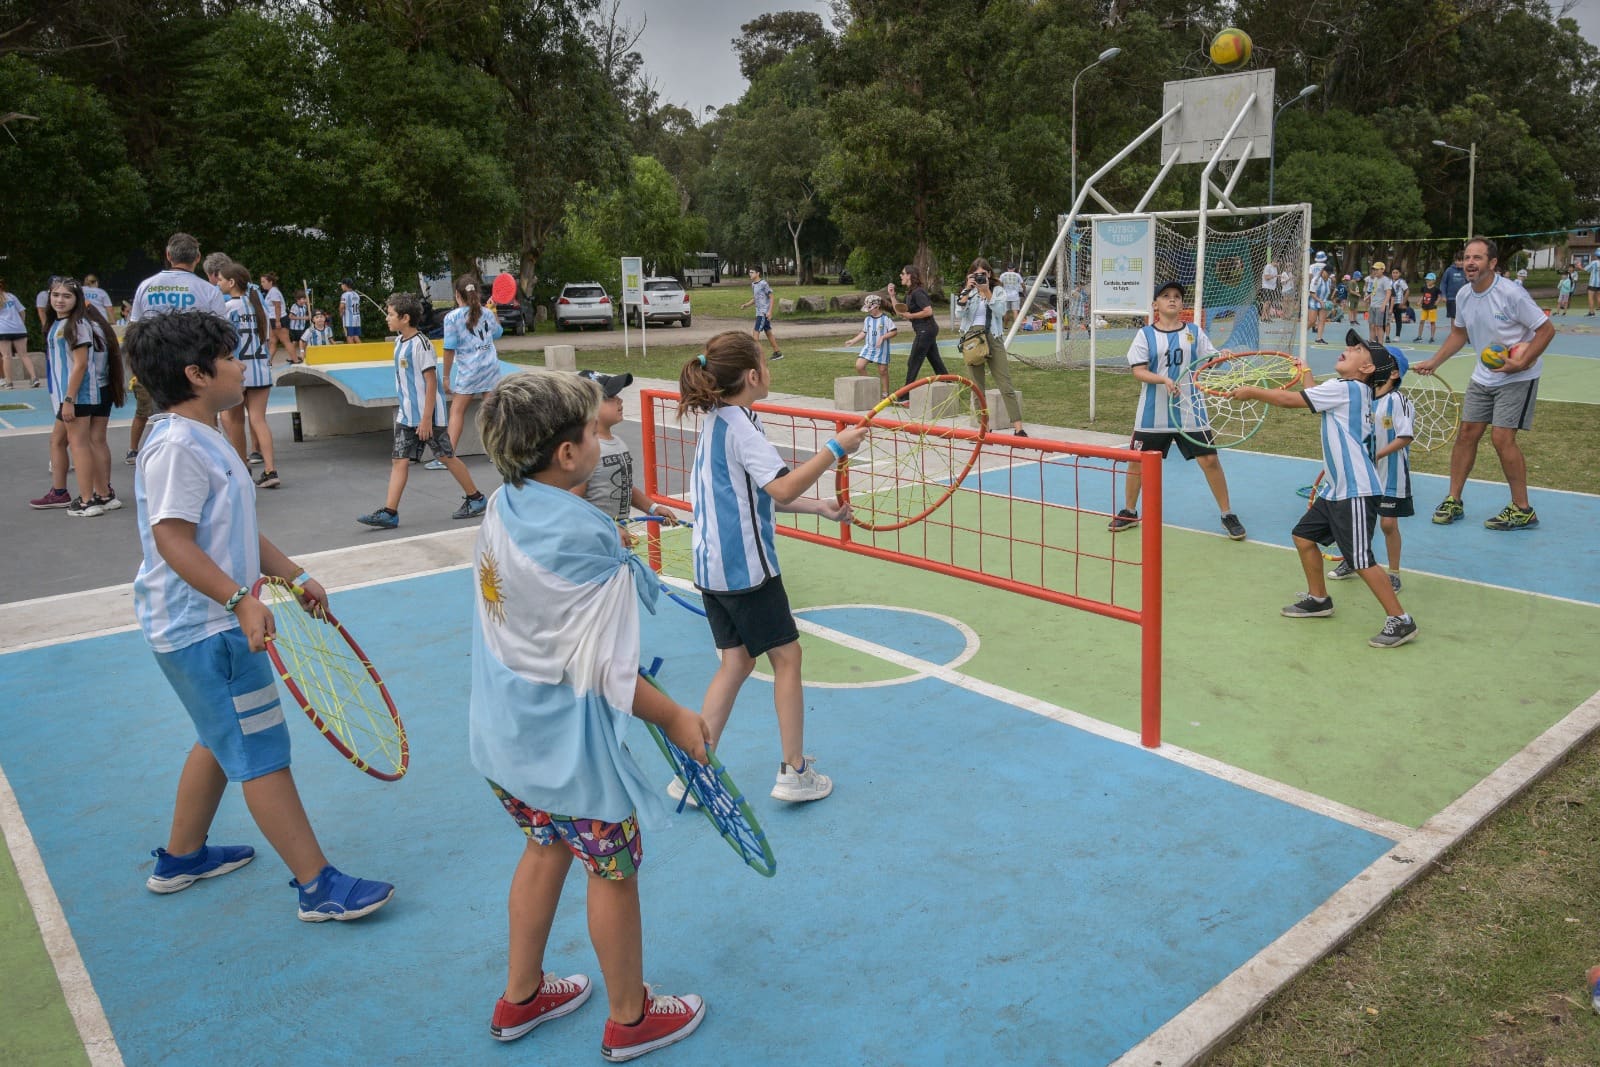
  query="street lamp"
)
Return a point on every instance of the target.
[
  {"x": 1272, "y": 159},
  {"x": 1109, "y": 53},
  {"x": 1472, "y": 175}
]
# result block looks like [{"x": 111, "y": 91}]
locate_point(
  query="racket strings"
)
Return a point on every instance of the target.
[
  {"x": 337, "y": 684},
  {"x": 904, "y": 470},
  {"x": 1436, "y": 412},
  {"x": 710, "y": 789}
]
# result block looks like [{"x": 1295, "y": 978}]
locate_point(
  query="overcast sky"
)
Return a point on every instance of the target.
[{"x": 688, "y": 51}]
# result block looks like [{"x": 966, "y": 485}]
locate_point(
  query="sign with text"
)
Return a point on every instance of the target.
[
  {"x": 1122, "y": 270},
  {"x": 632, "y": 280}
]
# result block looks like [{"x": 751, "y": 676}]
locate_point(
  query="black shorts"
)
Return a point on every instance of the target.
[
  {"x": 1162, "y": 441},
  {"x": 1395, "y": 507},
  {"x": 1346, "y": 523},
  {"x": 759, "y": 619},
  {"x": 1450, "y": 311},
  {"x": 101, "y": 410},
  {"x": 407, "y": 445},
  {"x": 13, "y": 337},
  {"x": 296, "y": 332}
]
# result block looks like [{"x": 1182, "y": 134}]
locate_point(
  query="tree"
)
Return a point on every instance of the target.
[
  {"x": 642, "y": 218},
  {"x": 767, "y": 39}
]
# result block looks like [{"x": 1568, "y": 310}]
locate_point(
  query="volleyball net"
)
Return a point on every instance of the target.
[{"x": 1023, "y": 515}]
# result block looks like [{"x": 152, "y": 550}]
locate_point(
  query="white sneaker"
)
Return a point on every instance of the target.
[
  {"x": 797, "y": 787},
  {"x": 677, "y": 791}
]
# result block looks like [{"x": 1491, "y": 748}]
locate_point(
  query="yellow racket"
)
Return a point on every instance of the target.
[{"x": 904, "y": 470}]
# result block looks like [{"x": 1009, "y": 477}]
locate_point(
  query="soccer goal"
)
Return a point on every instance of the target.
[{"x": 1243, "y": 266}]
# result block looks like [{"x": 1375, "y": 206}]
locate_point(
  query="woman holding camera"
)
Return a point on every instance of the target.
[{"x": 983, "y": 304}]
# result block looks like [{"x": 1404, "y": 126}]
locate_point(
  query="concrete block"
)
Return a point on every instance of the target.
[
  {"x": 930, "y": 399},
  {"x": 326, "y": 412},
  {"x": 998, "y": 421},
  {"x": 561, "y": 357},
  {"x": 785, "y": 306},
  {"x": 856, "y": 393}
]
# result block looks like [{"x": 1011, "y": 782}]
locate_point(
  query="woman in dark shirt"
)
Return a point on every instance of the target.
[{"x": 924, "y": 324}]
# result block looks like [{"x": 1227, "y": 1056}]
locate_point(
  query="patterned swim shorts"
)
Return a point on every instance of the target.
[{"x": 609, "y": 849}]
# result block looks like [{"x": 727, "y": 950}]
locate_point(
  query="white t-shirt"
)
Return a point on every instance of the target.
[
  {"x": 1503, "y": 314},
  {"x": 273, "y": 302},
  {"x": 1269, "y": 278},
  {"x": 176, "y": 290},
  {"x": 189, "y": 471},
  {"x": 11, "y": 312},
  {"x": 735, "y": 541},
  {"x": 99, "y": 298},
  {"x": 1346, "y": 409}
]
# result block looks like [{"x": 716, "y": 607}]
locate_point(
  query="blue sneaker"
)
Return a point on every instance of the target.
[
  {"x": 471, "y": 507},
  {"x": 175, "y": 873},
  {"x": 383, "y": 519},
  {"x": 334, "y": 895}
]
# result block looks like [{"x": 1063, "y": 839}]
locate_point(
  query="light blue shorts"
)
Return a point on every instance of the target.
[{"x": 231, "y": 694}]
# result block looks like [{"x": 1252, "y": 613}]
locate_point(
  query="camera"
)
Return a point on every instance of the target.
[{"x": 980, "y": 278}]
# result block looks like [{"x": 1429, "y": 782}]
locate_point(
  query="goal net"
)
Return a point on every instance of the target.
[{"x": 1247, "y": 305}]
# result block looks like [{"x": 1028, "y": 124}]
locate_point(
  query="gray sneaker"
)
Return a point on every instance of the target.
[
  {"x": 471, "y": 507},
  {"x": 1235, "y": 528},
  {"x": 1310, "y": 607},
  {"x": 1342, "y": 571},
  {"x": 797, "y": 787},
  {"x": 1396, "y": 631}
]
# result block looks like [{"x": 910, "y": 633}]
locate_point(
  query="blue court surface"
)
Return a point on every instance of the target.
[{"x": 985, "y": 883}]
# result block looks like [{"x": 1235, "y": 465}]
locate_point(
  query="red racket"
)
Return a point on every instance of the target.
[
  {"x": 504, "y": 290},
  {"x": 334, "y": 683},
  {"x": 904, "y": 470}
]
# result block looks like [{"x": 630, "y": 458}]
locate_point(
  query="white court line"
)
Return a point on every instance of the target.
[{"x": 88, "y": 1014}]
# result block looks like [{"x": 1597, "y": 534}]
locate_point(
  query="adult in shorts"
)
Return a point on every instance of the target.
[{"x": 1494, "y": 310}]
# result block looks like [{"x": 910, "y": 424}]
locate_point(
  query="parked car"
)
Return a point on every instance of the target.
[
  {"x": 583, "y": 304},
  {"x": 1047, "y": 291},
  {"x": 511, "y": 316},
  {"x": 664, "y": 301}
]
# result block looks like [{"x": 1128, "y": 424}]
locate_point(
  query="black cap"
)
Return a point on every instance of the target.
[
  {"x": 610, "y": 384},
  {"x": 1383, "y": 361},
  {"x": 1183, "y": 294},
  {"x": 348, "y": 281}
]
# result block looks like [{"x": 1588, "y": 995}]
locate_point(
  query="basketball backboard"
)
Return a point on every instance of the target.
[{"x": 1209, "y": 107}]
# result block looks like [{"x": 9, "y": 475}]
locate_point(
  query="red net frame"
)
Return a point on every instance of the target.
[{"x": 1001, "y": 529}]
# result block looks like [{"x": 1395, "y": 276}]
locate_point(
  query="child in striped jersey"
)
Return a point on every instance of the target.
[
  {"x": 1347, "y": 512},
  {"x": 202, "y": 553},
  {"x": 249, "y": 316},
  {"x": 320, "y": 332},
  {"x": 877, "y": 329},
  {"x": 419, "y": 419},
  {"x": 1393, "y": 427},
  {"x": 1161, "y": 355},
  {"x": 739, "y": 480}
]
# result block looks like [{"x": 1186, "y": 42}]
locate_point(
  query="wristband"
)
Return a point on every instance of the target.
[
  {"x": 233, "y": 601},
  {"x": 651, "y": 510},
  {"x": 836, "y": 448},
  {"x": 299, "y": 580}
]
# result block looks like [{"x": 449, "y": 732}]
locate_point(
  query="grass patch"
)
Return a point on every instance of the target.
[
  {"x": 13, "y": 407},
  {"x": 1563, "y": 451}
]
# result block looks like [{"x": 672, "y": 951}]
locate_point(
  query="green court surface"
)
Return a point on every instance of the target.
[
  {"x": 35, "y": 1026},
  {"x": 1303, "y": 702}
]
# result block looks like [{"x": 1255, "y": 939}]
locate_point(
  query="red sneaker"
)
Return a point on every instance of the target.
[
  {"x": 667, "y": 1020},
  {"x": 556, "y": 997}
]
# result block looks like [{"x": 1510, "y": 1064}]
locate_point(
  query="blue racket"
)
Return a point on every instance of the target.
[
  {"x": 669, "y": 551},
  {"x": 718, "y": 797}
]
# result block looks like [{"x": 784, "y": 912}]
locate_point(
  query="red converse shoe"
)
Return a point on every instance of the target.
[
  {"x": 667, "y": 1020},
  {"x": 556, "y": 997}
]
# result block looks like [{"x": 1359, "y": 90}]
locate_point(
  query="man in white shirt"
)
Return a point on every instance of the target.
[
  {"x": 1011, "y": 282},
  {"x": 177, "y": 288},
  {"x": 1493, "y": 310}
]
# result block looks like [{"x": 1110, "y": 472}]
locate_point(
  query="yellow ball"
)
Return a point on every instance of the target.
[
  {"x": 1493, "y": 357},
  {"x": 1230, "y": 48}
]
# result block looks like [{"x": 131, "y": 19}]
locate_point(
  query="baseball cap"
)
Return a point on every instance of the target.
[
  {"x": 1378, "y": 265},
  {"x": 1173, "y": 284},
  {"x": 1401, "y": 363},
  {"x": 872, "y": 303},
  {"x": 1355, "y": 275},
  {"x": 1345, "y": 278},
  {"x": 1321, "y": 256},
  {"x": 1431, "y": 277},
  {"x": 610, "y": 384}
]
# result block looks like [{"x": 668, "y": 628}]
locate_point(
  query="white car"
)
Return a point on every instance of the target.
[
  {"x": 583, "y": 304},
  {"x": 664, "y": 301}
]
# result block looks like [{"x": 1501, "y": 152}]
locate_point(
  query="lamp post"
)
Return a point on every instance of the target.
[
  {"x": 1109, "y": 53},
  {"x": 1272, "y": 160},
  {"x": 1472, "y": 175}
]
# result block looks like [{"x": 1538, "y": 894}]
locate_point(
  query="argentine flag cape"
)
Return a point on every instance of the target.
[{"x": 555, "y": 656}]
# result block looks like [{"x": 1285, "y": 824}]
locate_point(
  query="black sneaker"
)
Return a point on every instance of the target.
[
  {"x": 1310, "y": 607},
  {"x": 132, "y": 457},
  {"x": 1235, "y": 528},
  {"x": 774, "y": 357},
  {"x": 254, "y": 459},
  {"x": 471, "y": 507},
  {"x": 1449, "y": 510},
  {"x": 1123, "y": 520},
  {"x": 1512, "y": 517},
  {"x": 1019, "y": 433},
  {"x": 1397, "y": 630},
  {"x": 268, "y": 480},
  {"x": 1342, "y": 571}
]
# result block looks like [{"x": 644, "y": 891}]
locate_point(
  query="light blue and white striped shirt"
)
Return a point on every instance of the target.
[
  {"x": 412, "y": 357},
  {"x": 875, "y": 346},
  {"x": 1346, "y": 409},
  {"x": 1393, "y": 417},
  {"x": 314, "y": 336},
  {"x": 1173, "y": 353},
  {"x": 189, "y": 471},
  {"x": 59, "y": 355},
  {"x": 350, "y": 308},
  {"x": 735, "y": 543},
  {"x": 242, "y": 313}
]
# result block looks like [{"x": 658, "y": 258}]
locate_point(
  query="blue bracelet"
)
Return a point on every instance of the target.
[
  {"x": 300, "y": 579},
  {"x": 836, "y": 448}
]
